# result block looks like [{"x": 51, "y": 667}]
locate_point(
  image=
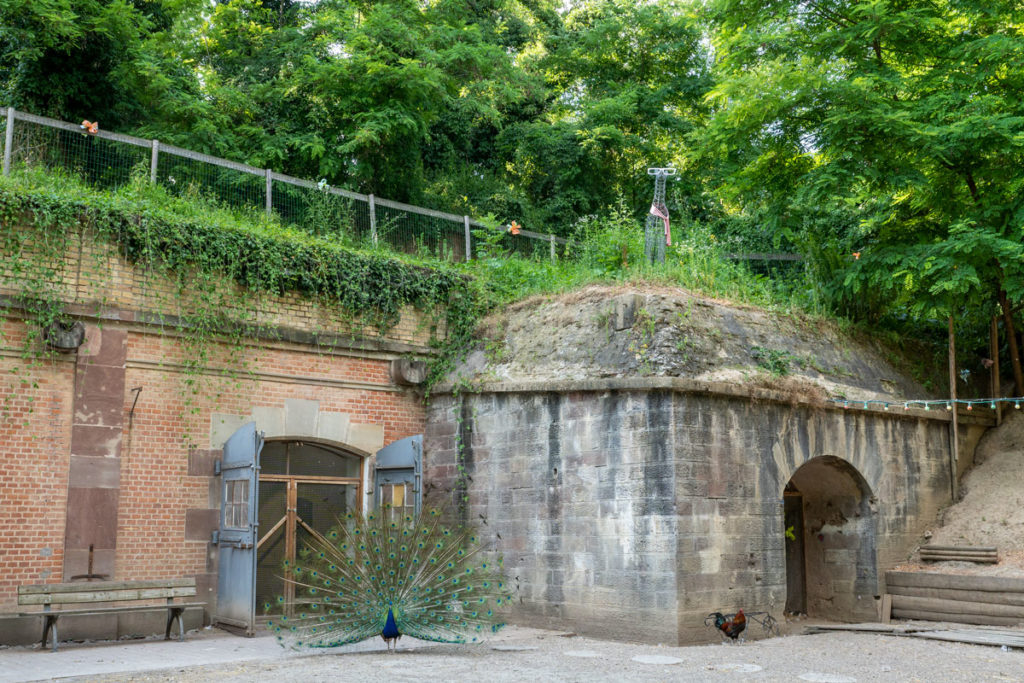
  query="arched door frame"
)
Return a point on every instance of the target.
[{"x": 813, "y": 543}]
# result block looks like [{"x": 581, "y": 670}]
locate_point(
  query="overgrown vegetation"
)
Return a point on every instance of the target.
[
  {"x": 882, "y": 141},
  {"x": 201, "y": 247}
]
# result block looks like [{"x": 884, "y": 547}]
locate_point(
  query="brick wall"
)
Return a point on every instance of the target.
[{"x": 116, "y": 452}]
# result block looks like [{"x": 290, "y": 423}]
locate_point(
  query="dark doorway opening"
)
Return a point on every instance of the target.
[
  {"x": 796, "y": 577},
  {"x": 831, "y": 569}
]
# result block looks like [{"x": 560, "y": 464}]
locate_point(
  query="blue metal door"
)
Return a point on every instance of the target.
[
  {"x": 398, "y": 477},
  {"x": 236, "y": 536}
]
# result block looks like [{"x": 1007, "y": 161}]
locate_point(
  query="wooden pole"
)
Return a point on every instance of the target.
[
  {"x": 9, "y": 143},
  {"x": 154, "y": 156},
  {"x": 269, "y": 199},
  {"x": 372, "y": 206},
  {"x": 954, "y": 451},
  {"x": 996, "y": 384}
]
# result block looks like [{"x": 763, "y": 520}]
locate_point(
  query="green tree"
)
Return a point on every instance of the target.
[
  {"x": 71, "y": 59},
  {"x": 626, "y": 82},
  {"x": 885, "y": 137}
]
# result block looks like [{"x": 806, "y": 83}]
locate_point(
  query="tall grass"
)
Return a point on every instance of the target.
[{"x": 606, "y": 249}]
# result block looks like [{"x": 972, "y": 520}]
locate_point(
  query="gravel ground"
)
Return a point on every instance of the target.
[{"x": 521, "y": 654}]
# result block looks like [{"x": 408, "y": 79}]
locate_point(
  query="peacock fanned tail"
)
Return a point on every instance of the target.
[{"x": 436, "y": 581}]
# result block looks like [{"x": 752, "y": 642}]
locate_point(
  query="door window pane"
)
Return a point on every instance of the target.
[{"x": 236, "y": 504}]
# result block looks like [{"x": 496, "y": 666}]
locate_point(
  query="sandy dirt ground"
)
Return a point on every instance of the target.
[
  {"x": 520, "y": 654},
  {"x": 991, "y": 509}
]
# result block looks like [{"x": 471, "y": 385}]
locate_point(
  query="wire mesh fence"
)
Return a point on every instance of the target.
[{"x": 109, "y": 160}]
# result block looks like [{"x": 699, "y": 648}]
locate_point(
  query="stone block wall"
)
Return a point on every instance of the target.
[{"x": 632, "y": 509}]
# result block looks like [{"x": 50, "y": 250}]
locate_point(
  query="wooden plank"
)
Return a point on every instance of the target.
[
  {"x": 977, "y": 559},
  {"x": 108, "y": 610},
  {"x": 961, "y": 595},
  {"x": 977, "y": 637},
  {"x": 105, "y": 596},
  {"x": 907, "y": 602},
  {"x": 858, "y": 628},
  {"x": 886, "y": 608},
  {"x": 961, "y": 548},
  {"x": 102, "y": 585},
  {"x": 956, "y": 618},
  {"x": 955, "y": 581}
]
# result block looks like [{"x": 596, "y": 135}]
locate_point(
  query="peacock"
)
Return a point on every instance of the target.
[{"x": 391, "y": 575}]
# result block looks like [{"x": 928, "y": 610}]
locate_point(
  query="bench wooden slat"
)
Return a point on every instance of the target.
[
  {"x": 107, "y": 610},
  {"x": 103, "y": 585},
  {"x": 86, "y": 595}
]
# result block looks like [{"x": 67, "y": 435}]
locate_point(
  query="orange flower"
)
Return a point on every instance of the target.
[
  {"x": 514, "y": 228},
  {"x": 856, "y": 255}
]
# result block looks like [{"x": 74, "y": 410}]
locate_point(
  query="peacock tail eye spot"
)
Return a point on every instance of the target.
[{"x": 451, "y": 565}]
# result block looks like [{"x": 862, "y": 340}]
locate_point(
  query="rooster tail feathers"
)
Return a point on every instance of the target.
[{"x": 437, "y": 583}]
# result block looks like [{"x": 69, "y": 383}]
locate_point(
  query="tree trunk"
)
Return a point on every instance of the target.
[{"x": 1011, "y": 338}]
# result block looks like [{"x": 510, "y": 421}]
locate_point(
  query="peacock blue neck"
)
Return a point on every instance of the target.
[{"x": 390, "y": 627}]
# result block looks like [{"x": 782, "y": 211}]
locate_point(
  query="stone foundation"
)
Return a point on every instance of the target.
[{"x": 630, "y": 509}]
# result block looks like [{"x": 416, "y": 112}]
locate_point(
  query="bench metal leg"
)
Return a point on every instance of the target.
[
  {"x": 172, "y": 614},
  {"x": 50, "y": 624}
]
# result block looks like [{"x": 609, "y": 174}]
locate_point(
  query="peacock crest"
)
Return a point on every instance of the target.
[{"x": 390, "y": 575}]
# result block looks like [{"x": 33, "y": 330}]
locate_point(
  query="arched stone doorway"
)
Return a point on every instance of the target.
[
  {"x": 831, "y": 568},
  {"x": 304, "y": 486}
]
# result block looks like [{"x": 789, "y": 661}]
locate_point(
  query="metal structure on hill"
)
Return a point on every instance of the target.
[{"x": 657, "y": 234}]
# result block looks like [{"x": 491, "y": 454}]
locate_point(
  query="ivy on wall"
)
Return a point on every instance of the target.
[{"x": 200, "y": 246}]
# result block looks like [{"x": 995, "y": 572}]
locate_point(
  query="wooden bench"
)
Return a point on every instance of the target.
[{"x": 96, "y": 592}]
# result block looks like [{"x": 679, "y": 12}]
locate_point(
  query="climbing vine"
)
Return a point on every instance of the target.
[{"x": 222, "y": 265}]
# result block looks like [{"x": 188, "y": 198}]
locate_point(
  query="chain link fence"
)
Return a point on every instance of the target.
[{"x": 109, "y": 160}]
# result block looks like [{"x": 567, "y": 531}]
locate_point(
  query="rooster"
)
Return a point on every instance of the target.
[{"x": 730, "y": 625}]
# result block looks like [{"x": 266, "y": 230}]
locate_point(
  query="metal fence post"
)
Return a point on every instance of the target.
[
  {"x": 553, "y": 257},
  {"x": 270, "y": 190},
  {"x": 9, "y": 141},
  {"x": 469, "y": 244},
  {"x": 373, "y": 219},
  {"x": 154, "y": 155}
]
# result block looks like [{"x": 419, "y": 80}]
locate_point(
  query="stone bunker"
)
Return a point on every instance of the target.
[{"x": 633, "y": 491}]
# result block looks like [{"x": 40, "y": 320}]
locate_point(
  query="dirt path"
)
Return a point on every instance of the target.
[{"x": 519, "y": 654}]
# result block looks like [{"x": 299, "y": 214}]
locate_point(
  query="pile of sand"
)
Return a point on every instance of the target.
[{"x": 991, "y": 509}]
